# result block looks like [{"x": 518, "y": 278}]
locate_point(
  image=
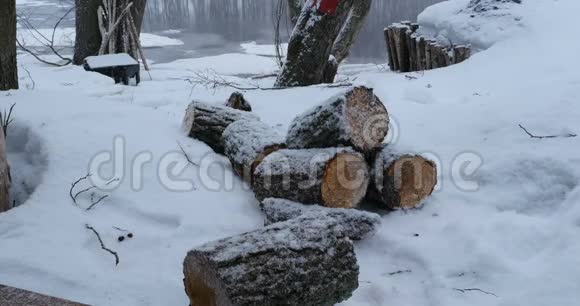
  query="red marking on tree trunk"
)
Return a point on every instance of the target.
[{"x": 328, "y": 6}]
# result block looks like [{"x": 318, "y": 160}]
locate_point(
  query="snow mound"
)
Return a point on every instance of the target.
[
  {"x": 480, "y": 23},
  {"x": 27, "y": 159}
]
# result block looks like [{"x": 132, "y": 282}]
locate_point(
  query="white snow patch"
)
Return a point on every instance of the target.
[{"x": 65, "y": 37}]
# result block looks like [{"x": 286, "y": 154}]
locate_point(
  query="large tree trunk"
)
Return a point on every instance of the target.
[
  {"x": 352, "y": 27},
  {"x": 88, "y": 36},
  {"x": 336, "y": 177},
  {"x": 311, "y": 44},
  {"x": 307, "y": 261},
  {"x": 355, "y": 118},
  {"x": 8, "y": 67},
  {"x": 207, "y": 122},
  {"x": 5, "y": 203},
  {"x": 401, "y": 180},
  {"x": 358, "y": 224},
  {"x": 322, "y": 38},
  {"x": 247, "y": 142}
]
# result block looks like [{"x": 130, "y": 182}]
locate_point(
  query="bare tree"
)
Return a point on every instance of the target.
[
  {"x": 322, "y": 38},
  {"x": 8, "y": 67},
  {"x": 88, "y": 36}
]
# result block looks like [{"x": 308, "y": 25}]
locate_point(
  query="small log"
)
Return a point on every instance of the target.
[
  {"x": 356, "y": 118},
  {"x": 304, "y": 261},
  {"x": 421, "y": 53},
  {"x": 401, "y": 180},
  {"x": 402, "y": 48},
  {"x": 393, "y": 43},
  {"x": 5, "y": 181},
  {"x": 335, "y": 177},
  {"x": 390, "y": 48},
  {"x": 207, "y": 122},
  {"x": 359, "y": 224},
  {"x": 247, "y": 142},
  {"x": 461, "y": 53},
  {"x": 428, "y": 55},
  {"x": 237, "y": 101},
  {"x": 412, "y": 43}
]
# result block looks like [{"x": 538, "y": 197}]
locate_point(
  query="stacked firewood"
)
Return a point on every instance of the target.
[
  {"x": 309, "y": 185},
  {"x": 409, "y": 51}
]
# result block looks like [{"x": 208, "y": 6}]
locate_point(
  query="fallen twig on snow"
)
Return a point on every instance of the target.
[
  {"x": 569, "y": 135},
  {"x": 209, "y": 79},
  {"x": 474, "y": 289},
  {"x": 102, "y": 244},
  {"x": 187, "y": 156},
  {"x": 399, "y": 272},
  {"x": 74, "y": 196}
]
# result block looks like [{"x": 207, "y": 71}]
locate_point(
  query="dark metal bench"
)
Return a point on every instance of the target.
[{"x": 121, "y": 67}]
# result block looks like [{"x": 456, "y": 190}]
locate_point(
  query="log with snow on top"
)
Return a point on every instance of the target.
[
  {"x": 308, "y": 260},
  {"x": 207, "y": 122},
  {"x": 247, "y": 142},
  {"x": 333, "y": 177},
  {"x": 358, "y": 224},
  {"x": 401, "y": 180},
  {"x": 356, "y": 118}
]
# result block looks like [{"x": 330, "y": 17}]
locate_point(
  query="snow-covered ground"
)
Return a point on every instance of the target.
[{"x": 505, "y": 218}]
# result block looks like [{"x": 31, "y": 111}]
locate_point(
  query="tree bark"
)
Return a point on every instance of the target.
[
  {"x": 358, "y": 224},
  {"x": 306, "y": 261},
  {"x": 401, "y": 180},
  {"x": 247, "y": 142},
  {"x": 311, "y": 44},
  {"x": 88, "y": 36},
  {"x": 352, "y": 27},
  {"x": 8, "y": 67},
  {"x": 19, "y": 297},
  {"x": 5, "y": 203},
  {"x": 294, "y": 10},
  {"x": 207, "y": 122},
  {"x": 335, "y": 177},
  {"x": 356, "y": 118}
]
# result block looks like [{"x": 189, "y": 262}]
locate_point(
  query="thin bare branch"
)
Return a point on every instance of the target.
[
  {"x": 569, "y": 135},
  {"x": 474, "y": 289},
  {"x": 103, "y": 244}
]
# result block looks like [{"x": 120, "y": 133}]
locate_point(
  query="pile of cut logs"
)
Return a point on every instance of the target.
[
  {"x": 309, "y": 184},
  {"x": 408, "y": 51}
]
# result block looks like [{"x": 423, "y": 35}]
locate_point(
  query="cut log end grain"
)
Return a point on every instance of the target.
[
  {"x": 335, "y": 177},
  {"x": 304, "y": 261},
  {"x": 340, "y": 188},
  {"x": 356, "y": 118},
  {"x": 402, "y": 181},
  {"x": 367, "y": 118}
]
